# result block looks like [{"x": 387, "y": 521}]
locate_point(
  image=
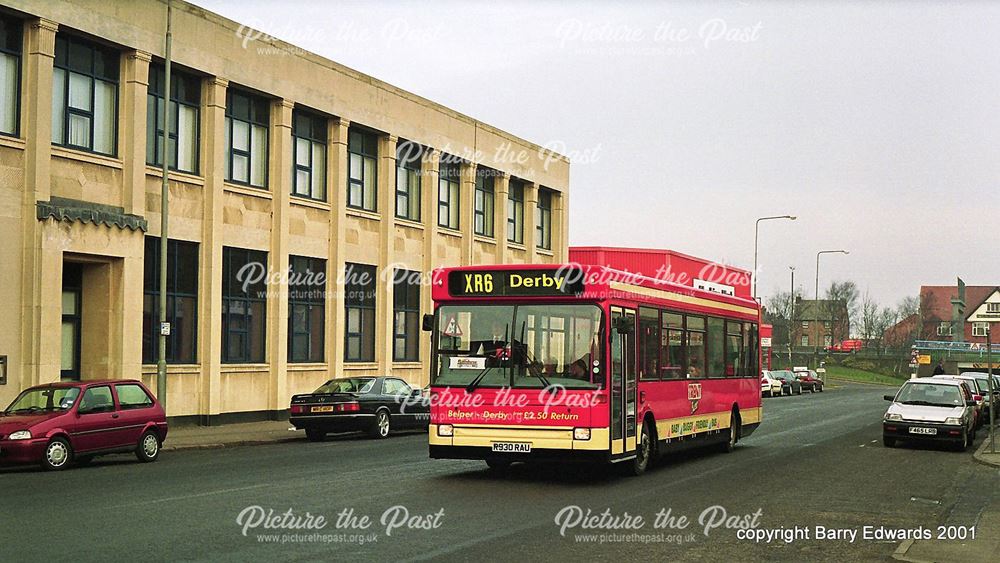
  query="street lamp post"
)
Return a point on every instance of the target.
[
  {"x": 791, "y": 316},
  {"x": 164, "y": 328},
  {"x": 816, "y": 302},
  {"x": 756, "y": 227}
]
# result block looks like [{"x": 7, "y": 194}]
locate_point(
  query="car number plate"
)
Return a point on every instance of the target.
[
  {"x": 920, "y": 430},
  {"x": 512, "y": 447},
  {"x": 321, "y": 409}
]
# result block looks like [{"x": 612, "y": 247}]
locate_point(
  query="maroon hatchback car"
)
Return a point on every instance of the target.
[{"x": 57, "y": 423}]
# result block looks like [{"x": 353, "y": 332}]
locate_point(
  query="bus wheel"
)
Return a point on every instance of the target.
[
  {"x": 734, "y": 433},
  {"x": 643, "y": 451}
]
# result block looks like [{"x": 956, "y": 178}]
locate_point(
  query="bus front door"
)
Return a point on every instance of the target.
[{"x": 623, "y": 383}]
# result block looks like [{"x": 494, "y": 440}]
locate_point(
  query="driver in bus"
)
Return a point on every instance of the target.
[
  {"x": 578, "y": 369},
  {"x": 496, "y": 341}
]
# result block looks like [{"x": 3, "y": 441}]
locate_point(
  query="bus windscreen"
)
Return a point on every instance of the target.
[{"x": 521, "y": 346}]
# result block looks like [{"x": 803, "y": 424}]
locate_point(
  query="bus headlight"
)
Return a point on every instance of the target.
[
  {"x": 446, "y": 430},
  {"x": 581, "y": 433}
]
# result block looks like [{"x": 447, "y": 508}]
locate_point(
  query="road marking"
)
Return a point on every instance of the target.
[{"x": 197, "y": 495}]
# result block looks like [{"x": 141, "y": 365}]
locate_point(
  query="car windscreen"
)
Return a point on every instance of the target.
[
  {"x": 44, "y": 399},
  {"x": 930, "y": 394},
  {"x": 347, "y": 385}
]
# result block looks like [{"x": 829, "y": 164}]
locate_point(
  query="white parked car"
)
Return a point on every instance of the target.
[
  {"x": 930, "y": 409},
  {"x": 770, "y": 386}
]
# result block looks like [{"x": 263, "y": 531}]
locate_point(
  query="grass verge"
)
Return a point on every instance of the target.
[{"x": 861, "y": 376}]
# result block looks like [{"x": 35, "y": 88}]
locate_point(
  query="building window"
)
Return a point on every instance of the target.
[
  {"x": 182, "y": 301},
  {"x": 805, "y": 340},
  {"x": 309, "y": 155},
  {"x": 84, "y": 96},
  {"x": 826, "y": 325},
  {"x": 362, "y": 152},
  {"x": 185, "y": 97},
  {"x": 408, "y": 155},
  {"x": 483, "y": 209},
  {"x": 306, "y": 309},
  {"x": 515, "y": 213},
  {"x": 827, "y": 341},
  {"x": 244, "y": 305},
  {"x": 10, "y": 75},
  {"x": 945, "y": 329},
  {"x": 993, "y": 307},
  {"x": 805, "y": 324},
  {"x": 449, "y": 175},
  {"x": 979, "y": 329},
  {"x": 406, "y": 315},
  {"x": 359, "y": 303},
  {"x": 543, "y": 220},
  {"x": 246, "y": 139}
]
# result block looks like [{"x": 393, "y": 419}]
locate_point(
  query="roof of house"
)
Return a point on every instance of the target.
[{"x": 936, "y": 299}]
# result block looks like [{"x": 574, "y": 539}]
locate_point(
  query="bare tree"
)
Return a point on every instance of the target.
[{"x": 842, "y": 306}]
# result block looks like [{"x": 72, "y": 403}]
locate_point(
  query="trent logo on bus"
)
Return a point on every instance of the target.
[{"x": 694, "y": 395}]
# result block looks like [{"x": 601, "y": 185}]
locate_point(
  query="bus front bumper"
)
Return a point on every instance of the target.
[{"x": 547, "y": 443}]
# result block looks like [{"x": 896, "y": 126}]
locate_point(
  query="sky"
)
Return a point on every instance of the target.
[{"x": 875, "y": 123}]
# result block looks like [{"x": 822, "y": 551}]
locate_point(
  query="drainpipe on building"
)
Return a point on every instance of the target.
[{"x": 161, "y": 361}]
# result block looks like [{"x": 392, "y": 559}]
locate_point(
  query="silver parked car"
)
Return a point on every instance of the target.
[{"x": 930, "y": 409}]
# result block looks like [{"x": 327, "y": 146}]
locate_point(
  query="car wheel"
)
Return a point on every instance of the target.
[
  {"x": 148, "y": 448},
  {"x": 58, "y": 454},
  {"x": 643, "y": 452},
  {"x": 888, "y": 442},
  {"x": 315, "y": 435},
  {"x": 820, "y": 388},
  {"x": 380, "y": 429},
  {"x": 799, "y": 392}
]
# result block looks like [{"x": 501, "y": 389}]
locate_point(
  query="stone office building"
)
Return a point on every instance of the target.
[{"x": 280, "y": 158}]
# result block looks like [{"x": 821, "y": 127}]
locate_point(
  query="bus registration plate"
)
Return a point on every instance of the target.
[{"x": 512, "y": 447}]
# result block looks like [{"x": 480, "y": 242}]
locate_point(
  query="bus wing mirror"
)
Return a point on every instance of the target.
[{"x": 427, "y": 322}]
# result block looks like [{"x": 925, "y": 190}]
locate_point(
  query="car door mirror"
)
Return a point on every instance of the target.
[
  {"x": 415, "y": 392},
  {"x": 889, "y": 397},
  {"x": 970, "y": 403},
  {"x": 427, "y": 323}
]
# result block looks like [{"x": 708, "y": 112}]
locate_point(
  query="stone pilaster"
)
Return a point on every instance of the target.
[
  {"x": 501, "y": 191},
  {"x": 132, "y": 130},
  {"x": 530, "y": 207},
  {"x": 387, "y": 208},
  {"x": 336, "y": 157},
  {"x": 280, "y": 180},
  {"x": 213, "y": 155}
]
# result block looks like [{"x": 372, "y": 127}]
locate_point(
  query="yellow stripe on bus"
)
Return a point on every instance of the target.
[{"x": 664, "y": 294}]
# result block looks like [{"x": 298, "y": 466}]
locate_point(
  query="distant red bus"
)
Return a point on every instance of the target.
[
  {"x": 543, "y": 362},
  {"x": 847, "y": 346}
]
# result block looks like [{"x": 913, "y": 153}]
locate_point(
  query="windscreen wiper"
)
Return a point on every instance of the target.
[{"x": 479, "y": 377}]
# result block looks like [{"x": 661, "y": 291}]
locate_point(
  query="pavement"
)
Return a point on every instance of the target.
[
  {"x": 187, "y": 437},
  {"x": 816, "y": 461},
  {"x": 985, "y": 548}
]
